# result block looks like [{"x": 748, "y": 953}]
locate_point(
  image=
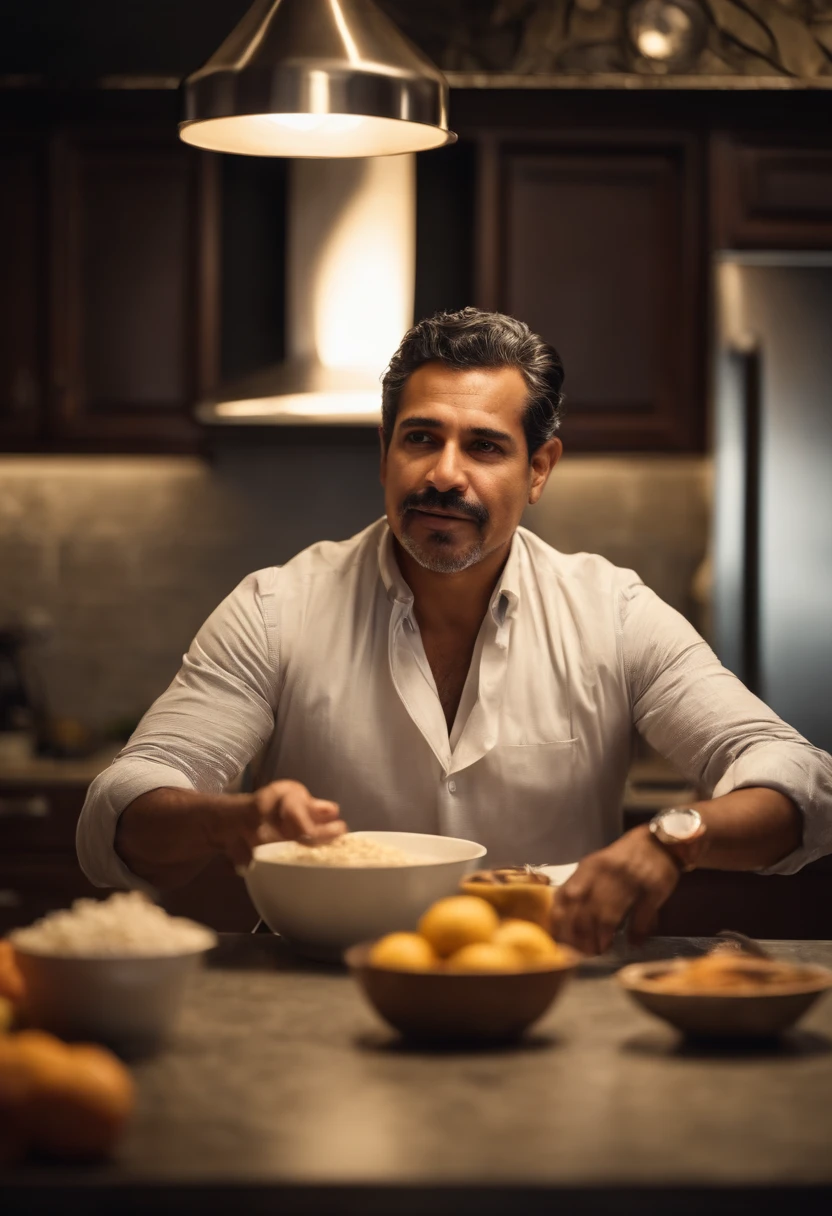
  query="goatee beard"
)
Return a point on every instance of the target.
[{"x": 437, "y": 562}]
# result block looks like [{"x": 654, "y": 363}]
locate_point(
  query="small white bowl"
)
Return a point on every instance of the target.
[
  {"x": 129, "y": 1003},
  {"x": 322, "y": 910}
]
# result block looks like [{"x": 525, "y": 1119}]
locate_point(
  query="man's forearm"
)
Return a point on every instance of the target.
[
  {"x": 748, "y": 829},
  {"x": 164, "y": 836},
  {"x": 168, "y": 835}
]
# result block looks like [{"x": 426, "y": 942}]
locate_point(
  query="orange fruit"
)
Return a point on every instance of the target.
[
  {"x": 16, "y": 1089},
  {"x": 485, "y": 956},
  {"x": 81, "y": 1113},
  {"x": 457, "y": 921},
  {"x": 72, "y": 1102},
  {"x": 533, "y": 944},
  {"x": 403, "y": 952}
]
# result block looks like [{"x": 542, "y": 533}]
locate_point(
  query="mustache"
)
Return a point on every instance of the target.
[{"x": 432, "y": 499}]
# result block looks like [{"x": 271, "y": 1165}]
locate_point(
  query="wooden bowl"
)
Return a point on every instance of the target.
[
  {"x": 471, "y": 1007},
  {"x": 755, "y": 1014}
]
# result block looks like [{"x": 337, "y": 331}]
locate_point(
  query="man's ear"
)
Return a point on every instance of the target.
[
  {"x": 383, "y": 465},
  {"x": 542, "y": 463}
]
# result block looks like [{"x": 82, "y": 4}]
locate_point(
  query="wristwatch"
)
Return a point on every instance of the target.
[{"x": 680, "y": 831}]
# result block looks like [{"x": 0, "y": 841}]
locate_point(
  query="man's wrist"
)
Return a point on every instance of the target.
[
  {"x": 683, "y": 834},
  {"x": 218, "y": 820}
]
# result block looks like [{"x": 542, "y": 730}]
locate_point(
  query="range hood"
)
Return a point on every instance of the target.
[{"x": 351, "y": 275}]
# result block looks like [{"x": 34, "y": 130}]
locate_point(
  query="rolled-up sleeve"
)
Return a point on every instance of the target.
[
  {"x": 200, "y": 734},
  {"x": 707, "y": 723}
]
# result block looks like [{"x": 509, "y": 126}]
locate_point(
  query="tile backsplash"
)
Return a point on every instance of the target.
[{"x": 125, "y": 557}]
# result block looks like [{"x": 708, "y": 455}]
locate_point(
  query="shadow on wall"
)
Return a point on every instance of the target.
[{"x": 127, "y": 556}]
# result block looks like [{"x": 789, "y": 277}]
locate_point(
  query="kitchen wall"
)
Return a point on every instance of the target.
[{"x": 127, "y": 556}]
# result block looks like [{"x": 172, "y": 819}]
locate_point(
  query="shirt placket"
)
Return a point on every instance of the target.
[
  {"x": 414, "y": 689},
  {"x": 482, "y": 728}
]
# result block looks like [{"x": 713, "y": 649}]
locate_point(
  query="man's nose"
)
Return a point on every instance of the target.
[{"x": 448, "y": 471}]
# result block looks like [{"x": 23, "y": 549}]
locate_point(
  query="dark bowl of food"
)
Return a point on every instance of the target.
[{"x": 726, "y": 995}]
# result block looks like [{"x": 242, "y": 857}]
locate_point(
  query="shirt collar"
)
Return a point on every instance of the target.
[
  {"x": 506, "y": 594},
  {"x": 394, "y": 584}
]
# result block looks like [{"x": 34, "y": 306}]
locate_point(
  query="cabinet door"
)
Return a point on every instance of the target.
[
  {"x": 770, "y": 194},
  {"x": 32, "y": 885},
  {"x": 134, "y": 302},
  {"x": 598, "y": 249},
  {"x": 22, "y": 288}
]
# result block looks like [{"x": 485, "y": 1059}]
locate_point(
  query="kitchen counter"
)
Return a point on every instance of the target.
[
  {"x": 46, "y": 771},
  {"x": 283, "y": 1092}
]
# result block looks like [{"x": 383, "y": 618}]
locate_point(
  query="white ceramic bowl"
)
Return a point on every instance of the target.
[
  {"x": 322, "y": 910},
  {"x": 129, "y": 1003}
]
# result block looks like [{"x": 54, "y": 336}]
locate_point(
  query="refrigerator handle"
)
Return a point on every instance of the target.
[{"x": 747, "y": 359}]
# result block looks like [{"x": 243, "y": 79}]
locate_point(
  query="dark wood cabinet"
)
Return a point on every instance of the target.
[
  {"x": 592, "y": 214},
  {"x": 771, "y": 192},
  {"x": 110, "y": 308},
  {"x": 134, "y": 305},
  {"x": 598, "y": 245},
  {"x": 23, "y": 301},
  {"x": 39, "y": 870},
  {"x": 764, "y": 906}
]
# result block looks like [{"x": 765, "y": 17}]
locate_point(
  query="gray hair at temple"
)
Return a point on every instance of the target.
[{"x": 470, "y": 339}]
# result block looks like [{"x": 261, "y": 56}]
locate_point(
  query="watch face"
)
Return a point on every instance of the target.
[{"x": 681, "y": 822}]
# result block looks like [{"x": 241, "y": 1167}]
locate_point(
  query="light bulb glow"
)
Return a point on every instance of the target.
[
  {"x": 330, "y": 124},
  {"x": 654, "y": 44},
  {"x": 312, "y": 135}
]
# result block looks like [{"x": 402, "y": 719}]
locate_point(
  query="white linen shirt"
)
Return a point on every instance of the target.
[{"x": 317, "y": 669}]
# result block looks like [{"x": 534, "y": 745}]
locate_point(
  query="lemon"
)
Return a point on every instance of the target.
[
  {"x": 485, "y": 956},
  {"x": 533, "y": 944},
  {"x": 403, "y": 952},
  {"x": 459, "y": 920}
]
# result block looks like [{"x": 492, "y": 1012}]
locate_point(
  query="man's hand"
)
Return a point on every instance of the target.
[
  {"x": 634, "y": 876},
  {"x": 282, "y": 810}
]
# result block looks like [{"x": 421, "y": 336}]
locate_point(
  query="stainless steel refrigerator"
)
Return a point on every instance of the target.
[{"x": 773, "y": 494}]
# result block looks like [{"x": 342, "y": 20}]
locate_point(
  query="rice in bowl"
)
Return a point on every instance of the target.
[
  {"x": 127, "y": 925},
  {"x": 349, "y": 850}
]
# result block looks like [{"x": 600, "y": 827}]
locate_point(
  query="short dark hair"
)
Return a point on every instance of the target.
[{"x": 473, "y": 338}]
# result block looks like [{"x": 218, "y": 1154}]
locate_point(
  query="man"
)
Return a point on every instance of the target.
[{"x": 446, "y": 671}]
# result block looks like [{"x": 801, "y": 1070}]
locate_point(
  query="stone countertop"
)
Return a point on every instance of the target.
[
  {"x": 282, "y": 1091},
  {"x": 46, "y": 771}
]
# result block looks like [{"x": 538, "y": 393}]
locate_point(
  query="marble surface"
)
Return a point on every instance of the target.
[{"x": 282, "y": 1084}]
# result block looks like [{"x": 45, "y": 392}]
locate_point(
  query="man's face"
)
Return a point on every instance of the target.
[{"x": 457, "y": 474}]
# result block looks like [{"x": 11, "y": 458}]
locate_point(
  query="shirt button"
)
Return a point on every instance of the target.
[{"x": 451, "y": 787}]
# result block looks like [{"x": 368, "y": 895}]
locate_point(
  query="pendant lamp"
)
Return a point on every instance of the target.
[{"x": 316, "y": 78}]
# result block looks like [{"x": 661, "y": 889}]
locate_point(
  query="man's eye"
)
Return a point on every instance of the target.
[
  {"x": 417, "y": 437},
  {"x": 486, "y": 446}
]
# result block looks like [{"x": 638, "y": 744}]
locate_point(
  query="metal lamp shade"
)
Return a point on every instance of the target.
[{"x": 316, "y": 78}]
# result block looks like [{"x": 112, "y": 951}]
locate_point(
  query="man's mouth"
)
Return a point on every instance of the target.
[{"x": 441, "y": 514}]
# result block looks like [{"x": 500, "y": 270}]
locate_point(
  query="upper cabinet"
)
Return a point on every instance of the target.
[
  {"x": 134, "y": 337},
  {"x": 110, "y": 313},
  {"x": 23, "y": 295},
  {"x": 591, "y": 214},
  {"x": 597, "y": 245},
  {"x": 771, "y": 193}
]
